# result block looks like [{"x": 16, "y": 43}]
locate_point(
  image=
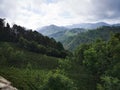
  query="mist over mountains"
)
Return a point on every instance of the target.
[
  {"x": 88, "y": 25},
  {"x": 52, "y": 29},
  {"x": 73, "y": 35}
]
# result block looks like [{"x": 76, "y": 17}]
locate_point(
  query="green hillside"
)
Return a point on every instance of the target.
[
  {"x": 26, "y": 70},
  {"x": 31, "y": 61},
  {"x": 31, "y": 71},
  {"x": 91, "y": 35},
  {"x": 17, "y": 57},
  {"x": 65, "y": 34},
  {"x": 31, "y": 40}
]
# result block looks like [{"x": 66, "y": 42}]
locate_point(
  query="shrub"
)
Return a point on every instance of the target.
[{"x": 58, "y": 81}]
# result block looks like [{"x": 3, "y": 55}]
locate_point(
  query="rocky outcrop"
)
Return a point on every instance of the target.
[{"x": 5, "y": 84}]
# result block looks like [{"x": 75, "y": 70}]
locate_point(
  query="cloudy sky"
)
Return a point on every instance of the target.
[{"x": 37, "y": 13}]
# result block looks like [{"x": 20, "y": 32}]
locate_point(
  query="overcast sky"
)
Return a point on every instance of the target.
[{"x": 37, "y": 13}]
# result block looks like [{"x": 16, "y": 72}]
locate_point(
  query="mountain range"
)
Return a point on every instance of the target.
[
  {"x": 52, "y": 29},
  {"x": 88, "y": 25},
  {"x": 72, "y": 35}
]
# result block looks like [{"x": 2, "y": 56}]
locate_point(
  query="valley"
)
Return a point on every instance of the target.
[{"x": 65, "y": 59}]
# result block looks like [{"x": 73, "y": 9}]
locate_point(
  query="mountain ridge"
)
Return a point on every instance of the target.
[
  {"x": 88, "y": 25},
  {"x": 48, "y": 30},
  {"x": 52, "y": 29}
]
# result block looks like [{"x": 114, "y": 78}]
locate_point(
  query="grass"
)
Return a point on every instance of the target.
[
  {"x": 26, "y": 70},
  {"x": 24, "y": 57},
  {"x": 24, "y": 79}
]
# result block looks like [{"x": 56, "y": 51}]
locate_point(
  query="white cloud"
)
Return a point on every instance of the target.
[{"x": 37, "y": 13}]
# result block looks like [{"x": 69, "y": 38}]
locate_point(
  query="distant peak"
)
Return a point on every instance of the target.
[{"x": 52, "y": 25}]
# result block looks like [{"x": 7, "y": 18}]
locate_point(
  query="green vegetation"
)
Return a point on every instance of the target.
[
  {"x": 102, "y": 59},
  {"x": 65, "y": 36},
  {"x": 31, "y": 40},
  {"x": 72, "y": 40},
  {"x": 32, "y": 64},
  {"x": 31, "y": 71},
  {"x": 16, "y": 57}
]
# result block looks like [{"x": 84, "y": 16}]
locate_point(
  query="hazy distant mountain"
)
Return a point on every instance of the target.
[
  {"x": 51, "y": 29},
  {"x": 118, "y": 24},
  {"x": 88, "y": 25},
  {"x": 64, "y": 34}
]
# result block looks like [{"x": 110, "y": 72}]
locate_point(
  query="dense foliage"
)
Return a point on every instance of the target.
[
  {"x": 32, "y": 71},
  {"x": 30, "y": 60},
  {"x": 31, "y": 40},
  {"x": 103, "y": 60},
  {"x": 71, "y": 42}
]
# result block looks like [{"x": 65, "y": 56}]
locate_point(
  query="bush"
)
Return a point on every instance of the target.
[
  {"x": 58, "y": 81},
  {"x": 109, "y": 83}
]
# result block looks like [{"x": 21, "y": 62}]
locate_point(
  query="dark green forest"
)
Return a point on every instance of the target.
[
  {"x": 31, "y": 40},
  {"x": 32, "y": 61}
]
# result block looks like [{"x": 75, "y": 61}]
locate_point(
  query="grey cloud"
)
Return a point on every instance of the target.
[
  {"x": 70, "y": 10},
  {"x": 7, "y": 8},
  {"x": 106, "y": 9}
]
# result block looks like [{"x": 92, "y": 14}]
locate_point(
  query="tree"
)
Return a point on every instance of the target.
[
  {"x": 58, "y": 81},
  {"x": 102, "y": 58},
  {"x": 2, "y": 32},
  {"x": 60, "y": 46},
  {"x": 2, "y": 23},
  {"x": 79, "y": 53},
  {"x": 109, "y": 83}
]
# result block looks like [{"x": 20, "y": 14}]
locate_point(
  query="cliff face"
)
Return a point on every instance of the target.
[{"x": 6, "y": 85}]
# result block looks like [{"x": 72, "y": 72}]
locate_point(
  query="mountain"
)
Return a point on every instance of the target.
[
  {"x": 89, "y": 36},
  {"x": 88, "y": 25},
  {"x": 118, "y": 24},
  {"x": 51, "y": 29},
  {"x": 58, "y": 32},
  {"x": 64, "y": 34},
  {"x": 73, "y": 35}
]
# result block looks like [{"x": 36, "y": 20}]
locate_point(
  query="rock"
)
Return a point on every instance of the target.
[{"x": 5, "y": 84}]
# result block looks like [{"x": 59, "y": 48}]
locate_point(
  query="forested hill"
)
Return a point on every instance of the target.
[
  {"x": 89, "y": 36},
  {"x": 31, "y": 40},
  {"x": 80, "y": 33}
]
